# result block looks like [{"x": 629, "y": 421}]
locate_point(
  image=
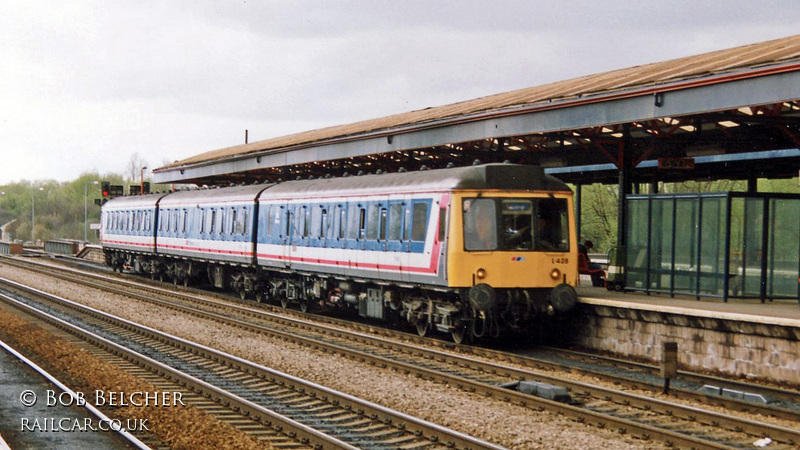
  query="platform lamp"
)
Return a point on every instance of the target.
[
  {"x": 141, "y": 180},
  {"x": 86, "y": 209}
]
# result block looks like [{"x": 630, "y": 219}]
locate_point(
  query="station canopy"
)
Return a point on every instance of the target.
[{"x": 732, "y": 113}]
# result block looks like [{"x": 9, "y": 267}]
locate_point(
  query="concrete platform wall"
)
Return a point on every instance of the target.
[{"x": 731, "y": 347}]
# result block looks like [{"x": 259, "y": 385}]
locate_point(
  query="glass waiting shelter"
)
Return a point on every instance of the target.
[{"x": 721, "y": 245}]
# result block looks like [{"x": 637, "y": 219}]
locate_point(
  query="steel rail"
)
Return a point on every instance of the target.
[
  {"x": 133, "y": 440},
  {"x": 494, "y": 355},
  {"x": 646, "y": 403},
  {"x": 581, "y": 414},
  {"x": 432, "y": 432}
]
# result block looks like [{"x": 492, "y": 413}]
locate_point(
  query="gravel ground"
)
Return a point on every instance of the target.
[
  {"x": 508, "y": 425},
  {"x": 181, "y": 428}
]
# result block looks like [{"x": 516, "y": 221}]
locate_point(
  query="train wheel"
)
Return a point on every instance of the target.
[
  {"x": 186, "y": 282},
  {"x": 259, "y": 296},
  {"x": 304, "y": 305},
  {"x": 242, "y": 294},
  {"x": 460, "y": 334},
  {"x": 422, "y": 328},
  {"x": 284, "y": 302}
]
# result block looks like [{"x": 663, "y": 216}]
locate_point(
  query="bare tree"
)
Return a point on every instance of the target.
[{"x": 134, "y": 167}]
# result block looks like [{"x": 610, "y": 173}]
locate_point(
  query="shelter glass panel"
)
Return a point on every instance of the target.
[
  {"x": 685, "y": 245},
  {"x": 752, "y": 246},
  {"x": 661, "y": 235},
  {"x": 784, "y": 250},
  {"x": 638, "y": 242},
  {"x": 712, "y": 246}
]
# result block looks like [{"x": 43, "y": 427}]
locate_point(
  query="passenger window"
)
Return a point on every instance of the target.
[
  {"x": 316, "y": 221},
  {"x": 442, "y": 223},
  {"x": 202, "y": 215},
  {"x": 395, "y": 222},
  {"x": 353, "y": 224},
  {"x": 420, "y": 222},
  {"x": 362, "y": 218},
  {"x": 382, "y": 228},
  {"x": 407, "y": 222},
  {"x": 274, "y": 221},
  {"x": 223, "y": 215},
  {"x": 245, "y": 221},
  {"x": 372, "y": 223},
  {"x": 324, "y": 224},
  {"x": 342, "y": 222},
  {"x": 185, "y": 220},
  {"x": 212, "y": 221},
  {"x": 306, "y": 221}
]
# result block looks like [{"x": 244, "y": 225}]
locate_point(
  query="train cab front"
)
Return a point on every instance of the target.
[{"x": 514, "y": 258}]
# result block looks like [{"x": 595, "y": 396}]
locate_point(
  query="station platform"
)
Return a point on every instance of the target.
[
  {"x": 785, "y": 312},
  {"x": 740, "y": 338}
]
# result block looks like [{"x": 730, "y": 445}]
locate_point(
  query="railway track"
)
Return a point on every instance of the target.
[
  {"x": 314, "y": 416},
  {"x": 641, "y": 415},
  {"x": 85, "y": 415}
]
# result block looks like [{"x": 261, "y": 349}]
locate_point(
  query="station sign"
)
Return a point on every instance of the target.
[{"x": 676, "y": 163}]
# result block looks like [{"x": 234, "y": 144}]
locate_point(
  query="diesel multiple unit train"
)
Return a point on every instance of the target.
[{"x": 474, "y": 251}]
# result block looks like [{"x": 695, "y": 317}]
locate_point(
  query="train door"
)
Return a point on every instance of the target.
[
  {"x": 338, "y": 242},
  {"x": 300, "y": 249},
  {"x": 377, "y": 256},
  {"x": 417, "y": 219},
  {"x": 391, "y": 232},
  {"x": 319, "y": 230},
  {"x": 405, "y": 239},
  {"x": 287, "y": 215},
  {"x": 355, "y": 234}
]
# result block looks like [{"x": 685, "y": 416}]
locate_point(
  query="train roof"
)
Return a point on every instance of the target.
[
  {"x": 133, "y": 201},
  {"x": 215, "y": 195},
  {"x": 515, "y": 177}
]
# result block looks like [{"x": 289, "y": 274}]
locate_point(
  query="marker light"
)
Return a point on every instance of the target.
[
  {"x": 555, "y": 273},
  {"x": 480, "y": 273}
]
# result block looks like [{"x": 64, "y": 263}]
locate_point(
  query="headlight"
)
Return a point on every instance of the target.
[
  {"x": 480, "y": 273},
  {"x": 555, "y": 274}
]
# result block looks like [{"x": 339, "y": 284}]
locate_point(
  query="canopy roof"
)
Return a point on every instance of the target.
[{"x": 738, "y": 100}]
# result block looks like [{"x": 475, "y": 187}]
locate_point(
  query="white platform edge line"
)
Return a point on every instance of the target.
[{"x": 766, "y": 320}]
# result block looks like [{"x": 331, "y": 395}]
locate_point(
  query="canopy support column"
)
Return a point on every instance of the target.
[{"x": 625, "y": 166}]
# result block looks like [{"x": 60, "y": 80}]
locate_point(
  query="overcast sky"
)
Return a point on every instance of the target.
[{"x": 85, "y": 85}]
